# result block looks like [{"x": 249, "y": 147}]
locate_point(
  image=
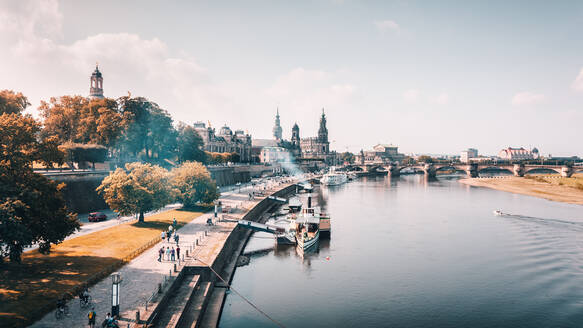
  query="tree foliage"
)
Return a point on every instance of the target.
[
  {"x": 189, "y": 144},
  {"x": 149, "y": 133},
  {"x": 32, "y": 208},
  {"x": 347, "y": 157},
  {"x": 76, "y": 119},
  {"x": 137, "y": 189},
  {"x": 425, "y": 159},
  {"x": 221, "y": 158},
  {"x": 12, "y": 102},
  {"x": 81, "y": 153},
  {"x": 194, "y": 184}
]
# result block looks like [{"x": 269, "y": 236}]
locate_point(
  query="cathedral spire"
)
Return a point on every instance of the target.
[{"x": 277, "y": 130}]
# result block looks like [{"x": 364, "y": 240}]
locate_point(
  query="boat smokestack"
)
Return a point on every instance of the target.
[{"x": 309, "y": 201}]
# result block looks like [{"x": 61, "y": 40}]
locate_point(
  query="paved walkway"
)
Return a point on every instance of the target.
[{"x": 141, "y": 276}]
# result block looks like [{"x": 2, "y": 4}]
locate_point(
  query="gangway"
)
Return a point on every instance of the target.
[
  {"x": 278, "y": 199},
  {"x": 261, "y": 227}
]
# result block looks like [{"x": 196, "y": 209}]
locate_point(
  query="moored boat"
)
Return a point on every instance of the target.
[{"x": 333, "y": 179}]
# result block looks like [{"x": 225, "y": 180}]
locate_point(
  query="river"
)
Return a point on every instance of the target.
[{"x": 409, "y": 253}]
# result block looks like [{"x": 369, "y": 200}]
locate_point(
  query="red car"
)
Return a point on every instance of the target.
[{"x": 97, "y": 216}]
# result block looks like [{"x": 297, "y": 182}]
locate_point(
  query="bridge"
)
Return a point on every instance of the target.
[{"x": 472, "y": 169}]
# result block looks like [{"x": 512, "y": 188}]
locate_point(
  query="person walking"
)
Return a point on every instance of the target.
[
  {"x": 162, "y": 235},
  {"x": 174, "y": 224},
  {"x": 167, "y": 253},
  {"x": 178, "y": 252},
  {"x": 160, "y": 254},
  {"x": 176, "y": 238},
  {"x": 172, "y": 254},
  {"x": 91, "y": 317},
  {"x": 168, "y": 234}
]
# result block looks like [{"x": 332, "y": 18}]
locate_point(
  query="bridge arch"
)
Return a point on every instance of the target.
[
  {"x": 543, "y": 170},
  {"x": 494, "y": 169}
]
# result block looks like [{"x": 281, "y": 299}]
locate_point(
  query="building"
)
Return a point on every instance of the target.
[
  {"x": 317, "y": 148},
  {"x": 518, "y": 153},
  {"x": 277, "y": 130},
  {"x": 96, "y": 89},
  {"x": 225, "y": 141},
  {"x": 274, "y": 155},
  {"x": 381, "y": 153},
  {"x": 468, "y": 154}
]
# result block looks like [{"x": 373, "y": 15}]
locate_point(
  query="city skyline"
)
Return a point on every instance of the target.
[{"x": 431, "y": 78}]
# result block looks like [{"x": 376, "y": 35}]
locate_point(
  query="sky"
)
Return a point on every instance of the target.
[{"x": 428, "y": 76}]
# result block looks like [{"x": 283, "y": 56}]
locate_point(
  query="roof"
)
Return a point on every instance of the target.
[{"x": 264, "y": 143}]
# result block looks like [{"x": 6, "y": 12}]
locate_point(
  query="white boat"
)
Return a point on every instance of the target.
[
  {"x": 498, "y": 213},
  {"x": 307, "y": 233},
  {"x": 333, "y": 179}
]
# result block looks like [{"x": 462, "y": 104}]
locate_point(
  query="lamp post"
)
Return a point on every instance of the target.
[{"x": 115, "y": 281}]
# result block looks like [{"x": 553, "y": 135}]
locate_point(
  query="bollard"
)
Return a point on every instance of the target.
[
  {"x": 169, "y": 273},
  {"x": 159, "y": 289},
  {"x": 137, "y": 316},
  {"x": 196, "y": 241},
  {"x": 186, "y": 253},
  {"x": 205, "y": 233}
]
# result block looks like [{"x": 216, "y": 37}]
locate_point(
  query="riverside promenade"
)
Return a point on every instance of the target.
[{"x": 142, "y": 276}]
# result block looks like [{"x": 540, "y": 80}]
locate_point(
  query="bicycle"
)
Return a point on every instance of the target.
[{"x": 62, "y": 311}]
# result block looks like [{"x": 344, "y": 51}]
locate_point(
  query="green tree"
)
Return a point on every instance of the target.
[
  {"x": 347, "y": 157},
  {"x": 149, "y": 132},
  {"x": 12, "y": 102},
  {"x": 194, "y": 184},
  {"x": 137, "y": 189},
  {"x": 32, "y": 208},
  {"x": 189, "y": 144}
]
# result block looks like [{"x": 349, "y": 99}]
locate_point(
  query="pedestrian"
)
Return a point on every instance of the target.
[
  {"x": 160, "y": 253},
  {"x": 162, "y": 235},
  {"x": 174, "y": 224},
  {"x": 176, "y": 238},
  {"x": 168, "y": 234},
  {"x": 178, "y": 252},
  {"x": 172, "y": 254},
  {"x": 91, "y": 316},
  {"x": 167, "y": 253}
]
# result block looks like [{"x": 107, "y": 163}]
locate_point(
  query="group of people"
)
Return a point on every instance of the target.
[
  {"x": 168, "y": 254},
  {"x": 108, "y": 322}
]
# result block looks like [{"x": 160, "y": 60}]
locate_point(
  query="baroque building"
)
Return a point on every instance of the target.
[
  {"x": 96, "y": 89},
  {"x": 317, "y": 147},
  {"x": 225, "y": 141}
]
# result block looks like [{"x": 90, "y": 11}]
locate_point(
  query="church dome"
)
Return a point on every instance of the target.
[
  {"x": 535, "y": 150},
  {"x": 225, "y": 131},
  {"x": 96, "y": 73}
]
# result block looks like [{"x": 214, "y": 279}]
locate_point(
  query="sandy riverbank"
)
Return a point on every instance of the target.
[{"x": 530, "y": 187}]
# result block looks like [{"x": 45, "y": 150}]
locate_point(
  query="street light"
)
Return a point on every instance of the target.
[{"x": 115, "y": 281}]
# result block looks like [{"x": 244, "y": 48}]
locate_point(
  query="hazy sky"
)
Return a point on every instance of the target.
[{"x": 428, "y": 76}]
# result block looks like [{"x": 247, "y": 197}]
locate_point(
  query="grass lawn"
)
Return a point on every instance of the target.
[{"x": 30, "y": 289}]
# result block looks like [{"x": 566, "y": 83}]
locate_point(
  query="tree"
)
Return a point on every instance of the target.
[
  {"x": 149, "y": 131},
  {"x": 12, "y": 102},
  {"x": 143, "y": 188},
  {"x": 347, "y": 157},
  {"x": 194, "y": 184},
  {"x": 82, "y": 153},
  {"x": 189, "y": 144},
  {"x": 425, "y": 159},
  {"x": 49, "y": 152},
  {"x": 32, "y": 208},
  {"x": 76, "y": 119}
]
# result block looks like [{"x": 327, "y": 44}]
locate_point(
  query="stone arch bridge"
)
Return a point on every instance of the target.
[{"x": 471, "y": 169}]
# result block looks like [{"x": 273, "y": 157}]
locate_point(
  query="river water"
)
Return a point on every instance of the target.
[{"x": 409, "y": 253}]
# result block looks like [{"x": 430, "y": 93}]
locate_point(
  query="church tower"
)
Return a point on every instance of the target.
[
  {"x": 323, "y": 131},
  {"x": 277, "y": 128},
  {"x": 96, "y": 90},
  {"x": 295, "y": 136}
]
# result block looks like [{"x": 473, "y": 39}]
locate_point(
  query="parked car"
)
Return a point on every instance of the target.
[{"x": 97, "y": 216}]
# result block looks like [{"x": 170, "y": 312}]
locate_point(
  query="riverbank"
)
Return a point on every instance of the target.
[{"x": 536, "y": 187}]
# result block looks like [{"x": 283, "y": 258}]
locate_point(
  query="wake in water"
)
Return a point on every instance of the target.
[{"x": 545, "y": 221}]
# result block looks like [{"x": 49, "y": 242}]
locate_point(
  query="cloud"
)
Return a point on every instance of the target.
[
  {"x": 578, "y": 83},
  {"x": 441, "y": 99},
  {"x": 31, "y": 34},
  {"x": 527, "y": 98},
  {"x": 411, "y": 95},
  {"x": 386, "y": 26}
]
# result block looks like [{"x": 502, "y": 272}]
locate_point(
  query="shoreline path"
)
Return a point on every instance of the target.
[{"x": 140, "y": 277}]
